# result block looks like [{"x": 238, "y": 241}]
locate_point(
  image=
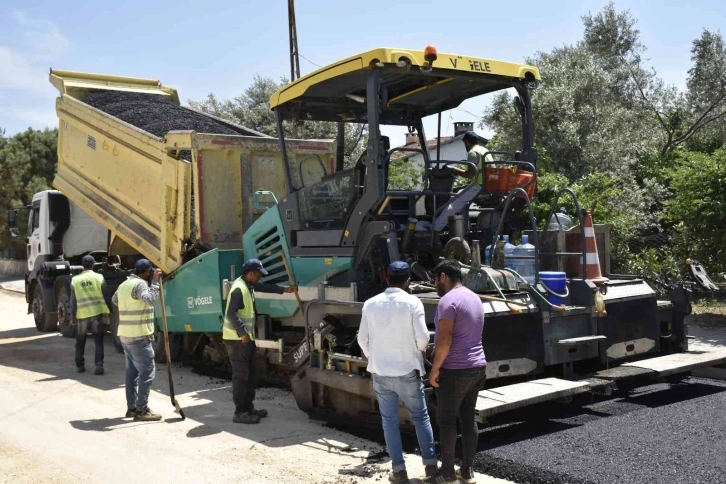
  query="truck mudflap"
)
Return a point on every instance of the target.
[{"x": 502, "y": 399}]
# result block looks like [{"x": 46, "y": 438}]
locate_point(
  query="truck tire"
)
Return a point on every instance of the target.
[
  {"x": 175, "y": 347},
  {"x": 114, "y": 332},
  {"x": 63, "y": 311},
  {"x": 44, "y": 322}
]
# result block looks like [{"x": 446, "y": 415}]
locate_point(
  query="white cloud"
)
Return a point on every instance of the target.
[
  {"x": 25, "y": 67},
  {"x": 43, "y": 39},
  {"x": 37, "y": 117},
  {"x": 18, "y": 73}
]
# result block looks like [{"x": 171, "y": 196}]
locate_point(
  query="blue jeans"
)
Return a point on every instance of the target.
[
  {"x": 409, "y": 388},
  {"x": 140, "y": 371}
]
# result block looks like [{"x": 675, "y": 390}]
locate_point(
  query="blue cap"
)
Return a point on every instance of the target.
[
  {"x": 254, "y": 265},
  {"x": 471, "y": 136},
  {"x": 398, "y": 268},
  {"x": 143, "y": 265},
  {"x": 88, "y": 261}
]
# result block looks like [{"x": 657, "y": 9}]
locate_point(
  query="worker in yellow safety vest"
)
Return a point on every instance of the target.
[
  {"x": 477, "y": 154},
  {"x": 135, "y": 299},
  {"x": 88, "y": 312},
  {"x": 239, "y": 339}
]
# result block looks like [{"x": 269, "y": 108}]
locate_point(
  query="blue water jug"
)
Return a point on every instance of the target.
[{"x": 525, "y": 267}]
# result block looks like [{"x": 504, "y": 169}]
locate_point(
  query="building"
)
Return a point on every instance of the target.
[{"x": 452, "y": 147}]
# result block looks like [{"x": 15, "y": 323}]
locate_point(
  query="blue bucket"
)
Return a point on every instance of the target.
[{"x": 556, "y": 282}]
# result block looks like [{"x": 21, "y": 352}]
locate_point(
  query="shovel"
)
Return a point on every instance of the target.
[
  {"x": 168, "y": 353},
  {"x": 292, "y": 283}
]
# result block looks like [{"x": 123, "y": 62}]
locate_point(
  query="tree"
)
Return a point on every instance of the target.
[
  {"x": 28, "y": 162},
  {"x": 707, "y": 92},
  {"x": 698, "y": 207},
  {"x": 252, "y": 110}
]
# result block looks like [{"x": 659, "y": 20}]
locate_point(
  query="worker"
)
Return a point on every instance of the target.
[
  {"x": 458, "y": 372},
  {"x": 477, "y": 154},
  {"x": 239, "y": 339},
  {"x": 88, "y": 312},
  {"x": 135, "y": 299},
  {"x": 393, "y": 336}
]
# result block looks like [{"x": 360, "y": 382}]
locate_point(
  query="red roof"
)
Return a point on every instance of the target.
[{"x": 431, "y": 144}]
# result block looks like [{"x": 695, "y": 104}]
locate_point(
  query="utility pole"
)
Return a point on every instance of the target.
[
  {"x": 294, "y": 60},
  {"x": 294, "y": 56}
]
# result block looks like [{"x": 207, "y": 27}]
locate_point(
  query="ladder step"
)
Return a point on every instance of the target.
[
  {"x": 681, "y": 362},
  {"x": 581, "y": 340},
  {"x": 509, "y": 397}
]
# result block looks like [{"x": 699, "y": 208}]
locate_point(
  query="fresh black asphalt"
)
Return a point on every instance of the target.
[{"x": 662, "y": 433}]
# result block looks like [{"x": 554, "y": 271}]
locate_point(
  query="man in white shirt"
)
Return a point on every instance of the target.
[{"x": 393, "y": 336}]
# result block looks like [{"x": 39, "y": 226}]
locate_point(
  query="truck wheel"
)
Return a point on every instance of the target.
[
  {"x": 114, "y": 332},
  {"x": 175, "y": 347},
  {"x": 44, "y": 322},
  {"x": 64, "y": 314}
]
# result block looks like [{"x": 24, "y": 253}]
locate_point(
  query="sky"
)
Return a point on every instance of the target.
[{"x": 218, "y": 46}]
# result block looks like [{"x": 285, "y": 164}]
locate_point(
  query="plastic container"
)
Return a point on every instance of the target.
[
  {"x": 556, "y": 282},
  {"x": 560, "y": 220},
  {"x": 508, "y": 251},
  {"x": 525, "y": 267}
]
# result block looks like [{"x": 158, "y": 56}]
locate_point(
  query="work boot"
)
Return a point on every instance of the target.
[
  {"x": 431, "y": 470},
  {"x": 439, "y": 478},
  {"x": 98, "y": 370},
  {"x": 80, "y": 369},
  {"x": 400, "y": 476},
  {"x": 146, "y": 416},
  {"x": 130, "y": 413},
  {"x": 466, "y": 474},
  {"x": 245, "y": 418},
  {"x": 260, "y": 412}
]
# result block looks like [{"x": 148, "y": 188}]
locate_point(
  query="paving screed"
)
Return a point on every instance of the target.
[{"x": 663, "y": 432}]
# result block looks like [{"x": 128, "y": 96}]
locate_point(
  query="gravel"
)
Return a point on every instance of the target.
[
  {"x": 658, "y": 433},
  {"x": 154, "y": 114}
]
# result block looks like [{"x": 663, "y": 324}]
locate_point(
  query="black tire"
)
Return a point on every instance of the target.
[
  {"x": 44, "y": 322},
  {"x": 175, "y": 346},
  {"x": 114, "y": 332},
  {"x": 63, "y": 312}
]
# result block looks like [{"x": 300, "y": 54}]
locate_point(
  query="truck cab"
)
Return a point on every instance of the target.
[{"x": 59, "y": 234}]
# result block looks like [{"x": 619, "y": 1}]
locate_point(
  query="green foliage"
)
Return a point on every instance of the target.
[
  {"x": 252, "y": 110},
  {"x": 28, "y": 162},
  {"x": 698, "y": 207},
  {"x": 405, "y": 174}
]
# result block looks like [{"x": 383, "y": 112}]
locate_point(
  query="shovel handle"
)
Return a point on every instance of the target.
[{"x": 292, "y": 282}]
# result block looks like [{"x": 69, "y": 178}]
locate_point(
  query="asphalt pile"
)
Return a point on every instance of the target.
[
  {"x": 154, "y": 114},
  {"x": 658, "y": 433}
]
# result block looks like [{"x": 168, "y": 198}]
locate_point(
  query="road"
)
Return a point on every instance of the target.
[
  {"x": 673, "y": 433},
  {"x": 57, "y": 426}
]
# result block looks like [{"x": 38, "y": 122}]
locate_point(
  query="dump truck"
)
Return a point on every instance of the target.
[
  {"x": 137, "y": 179},
  {"x": 341, "y": 232}
]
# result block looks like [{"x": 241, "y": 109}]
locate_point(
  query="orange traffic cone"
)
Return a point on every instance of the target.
[{"x": 591, "y": 257}]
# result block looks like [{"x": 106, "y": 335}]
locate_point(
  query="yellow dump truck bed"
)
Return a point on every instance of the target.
[{"x": 161, "y": 194}]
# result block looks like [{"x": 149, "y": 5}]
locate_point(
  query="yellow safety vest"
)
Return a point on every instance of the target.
[
  {"x": 246, "y": 314},
  {"x": 135, "y": 317},
  {"x": 482, "y": 156},
  {"x": 89, "y": 296}
]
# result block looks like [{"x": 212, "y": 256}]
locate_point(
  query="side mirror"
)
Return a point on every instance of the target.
[
  {"x": 258, "y": 195},
  {"x": 13, "y": 224}
]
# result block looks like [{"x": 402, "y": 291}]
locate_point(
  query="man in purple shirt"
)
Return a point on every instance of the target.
[{"x": 459, "y": 370}]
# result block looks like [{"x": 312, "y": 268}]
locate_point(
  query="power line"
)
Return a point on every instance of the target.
[
  {"x": 313, "y": 63},
  {"x": 470, "y": 113}
]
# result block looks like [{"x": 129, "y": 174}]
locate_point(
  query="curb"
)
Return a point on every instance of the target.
[{"x": 10, "y": 289}]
